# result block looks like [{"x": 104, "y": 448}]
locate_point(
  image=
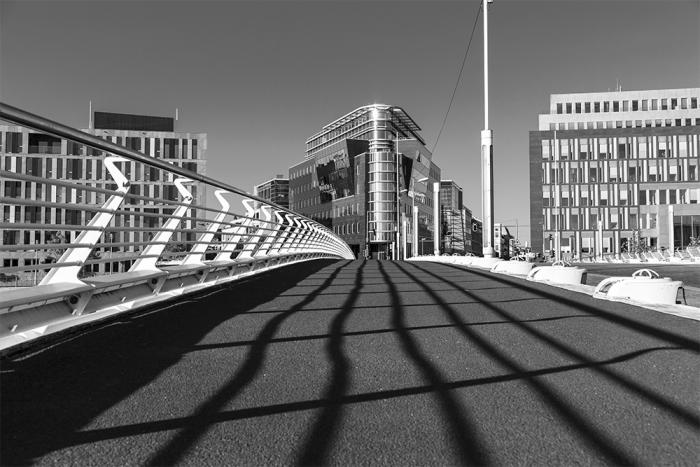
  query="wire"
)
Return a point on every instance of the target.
[{"x": 459, "y": 78}]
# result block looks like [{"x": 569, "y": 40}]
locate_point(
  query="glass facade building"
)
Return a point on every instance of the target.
[
  {"x": 357, "y": 176},
  {"x": 613, "y": 170}
]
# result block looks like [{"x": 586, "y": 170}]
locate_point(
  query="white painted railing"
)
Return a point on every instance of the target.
[{"x": 76, "y": 272}]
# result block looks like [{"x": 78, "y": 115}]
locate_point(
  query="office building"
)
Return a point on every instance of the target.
[
  {"x": 361, "y": 177},
  {"x": 275, "y": 190},
  {"x": 613, "y": 171},
  {"x": 36, "y": 154},
  {"x": 455, "y": 219}
]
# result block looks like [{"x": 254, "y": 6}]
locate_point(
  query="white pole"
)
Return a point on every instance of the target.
[
  {"x": 398, "y": 199},
  {"x": 415, "y": 229},
  {"x": 557, "y": 206},
  {"x": 487, "y": 153},
  {"x": 403, "y": 235},
  {"x": 436, "y": 218}
]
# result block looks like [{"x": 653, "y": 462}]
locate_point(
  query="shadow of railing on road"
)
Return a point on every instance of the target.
[
  {"x": 49, "y": 394},
  {"x": 592, "y": 436},
  {"x": 463, "y": 433},
  {"x": 206, "y": 413},
  {"x": 316, "y": 448}
]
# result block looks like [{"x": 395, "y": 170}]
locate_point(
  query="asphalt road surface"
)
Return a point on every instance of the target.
[{"x": 362, "y": 363}]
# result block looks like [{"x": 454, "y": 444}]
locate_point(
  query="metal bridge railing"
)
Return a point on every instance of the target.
[{"x": 125, "y": 231}]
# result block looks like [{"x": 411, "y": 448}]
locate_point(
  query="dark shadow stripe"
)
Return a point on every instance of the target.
[
  {"x": 462, "y": 433},
  {"x": 137, "y": 429},
  {"x": 591, "y": 436},
  {"x": 204, "y": 347},
  {"x": 178, "y": 446},
  {"x": 650, "y": 396},
  {"x": 318, "y": 443}
]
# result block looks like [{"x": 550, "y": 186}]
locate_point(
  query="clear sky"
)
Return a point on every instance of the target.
[{"x": 261, "y": 76}]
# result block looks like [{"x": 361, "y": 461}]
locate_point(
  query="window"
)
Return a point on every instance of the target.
[
  {"x": 674, "y": 104},
  {"x": 568, "y": 107},
  {"x": 626, "y": 106},
  {"x": 693, "y": 102},
  {"x": 635, "y": 105},
  {"x": 559, "y": 108},
  {"x": 170, "y": 148},
  {"x": 578, "y": 107},
  {"x": 596, "y": 107},
  {"x": 616, "y": 106},
  {"x": 587, "y": 107},
  {"x": 645, "y": 104},
  {"x": 684, "y": 103},
  {"x": 606, "y": 106},
  {"x": 664, "y": 104},
  {"x": 654, "y": 104},
  {"x": 44, "y": 144}
]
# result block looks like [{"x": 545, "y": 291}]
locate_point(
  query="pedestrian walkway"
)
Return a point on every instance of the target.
[{"x": 362, "y": 362}]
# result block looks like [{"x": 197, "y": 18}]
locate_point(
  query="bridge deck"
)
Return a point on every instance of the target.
[{"x": 362, "y": 363}]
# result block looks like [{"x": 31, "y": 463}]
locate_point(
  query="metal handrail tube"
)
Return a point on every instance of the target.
[
  {"x": 45, "y": 181},
  {"x": 27, "y": 119},
  {"x": 120, "y": 211},
  {"x": 105, "y": 245}
]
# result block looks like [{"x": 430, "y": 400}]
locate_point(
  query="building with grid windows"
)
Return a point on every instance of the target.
[
  {"x": 456, "y": 219},
  {"x": 361, "y": 177},
  {"x": 275, "y": 190},
  {"x": 34, "y": 154},
  {"x": 615, "y": 171}
]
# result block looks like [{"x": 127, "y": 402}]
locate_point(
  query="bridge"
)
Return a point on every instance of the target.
[
  {"x": 262, "y": 340},
  {"x": 362, "y": 362}
]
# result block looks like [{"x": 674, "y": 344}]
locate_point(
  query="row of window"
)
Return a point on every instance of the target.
[
  {"x": 618, "y": 197},
  {"x": 639, "y": 147},
  {"x": 347, "y": 228},
  {"x": 589, "y": 219},
  {"x": 633, "y": 105},
  {"x": 622, "y": 173},
  {"x": 89, "y": 169},
  {"x": 623, "y": 124},
  {"x": 59, "y": 194},
  {"x": 38, "y": 143}
]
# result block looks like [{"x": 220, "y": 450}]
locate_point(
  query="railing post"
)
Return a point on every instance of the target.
[
  {"x": 196, "y": 255},
  {"x": 271, "y": 236},
  {"x": 281, "y": 236},
  {"x": 153, "y": 251},
  {"x": 80, "y": 254},
  {"x": 251, "y": 244},
  {"x": 298, "y": 234},
  {"x": 235, "y": 234},
  {"x": 286, "y": 245}
]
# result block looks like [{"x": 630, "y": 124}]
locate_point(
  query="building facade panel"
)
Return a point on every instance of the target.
[
  {"x": 597, "y": 189},
  {"x": 357, "y": 176}
]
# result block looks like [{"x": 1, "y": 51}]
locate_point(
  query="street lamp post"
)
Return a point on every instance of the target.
[
  {"x": 487, "y": 152},
  {"x": 436, "y": 218}
]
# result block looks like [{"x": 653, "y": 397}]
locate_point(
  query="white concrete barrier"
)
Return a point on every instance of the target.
[
  {"x": 521, "y": 268},
  {"x": 484, "y": 263},
  {"x": 644, "y": 286},
  {"x": 558, "y": 273}
]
